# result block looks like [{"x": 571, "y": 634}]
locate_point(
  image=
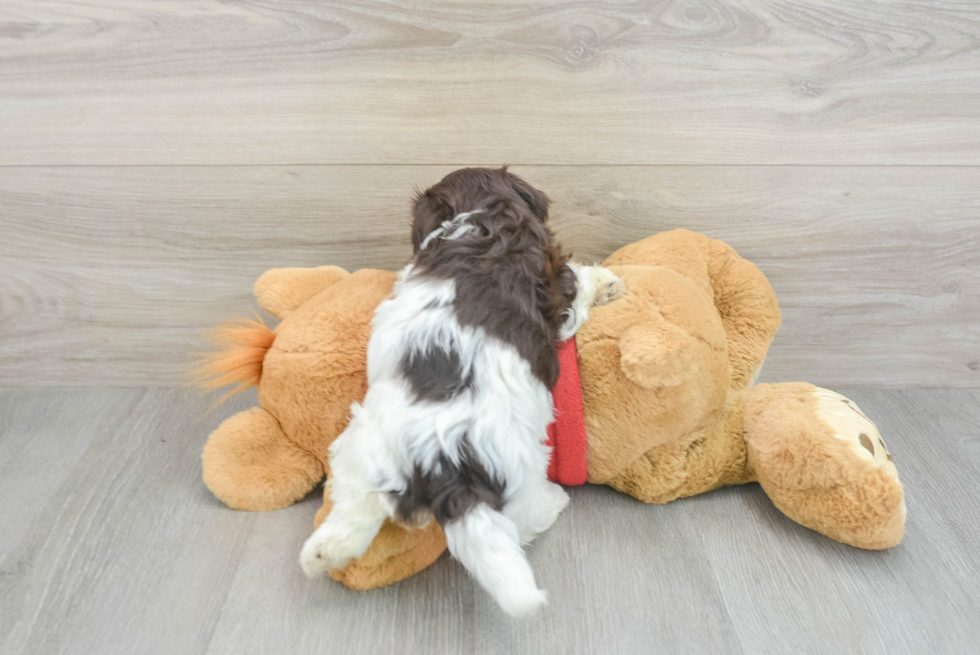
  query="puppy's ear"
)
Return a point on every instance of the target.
[
  {"x": 428, "y": 212},
  {"x": 535, "y": 199},
  {"x": 560, "y": 280}
]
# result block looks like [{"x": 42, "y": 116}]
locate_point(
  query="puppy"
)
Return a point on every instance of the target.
[{"x": 460, "y": 366}]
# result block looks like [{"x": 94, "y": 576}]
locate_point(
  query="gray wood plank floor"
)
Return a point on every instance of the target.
[{"x": 109, "y": 543}]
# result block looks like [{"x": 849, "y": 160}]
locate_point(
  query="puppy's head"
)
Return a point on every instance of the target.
[
  {"x": 510, "y": 273},
  {"x": 499, "y": 197}
]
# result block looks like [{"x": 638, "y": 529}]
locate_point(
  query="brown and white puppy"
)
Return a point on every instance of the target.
[{"x": 461, "y": 362}]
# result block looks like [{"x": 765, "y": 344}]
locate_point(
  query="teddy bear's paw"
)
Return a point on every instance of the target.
[
  {"x": 853, "y": 426},
  {"x": 327, "y": 549}
]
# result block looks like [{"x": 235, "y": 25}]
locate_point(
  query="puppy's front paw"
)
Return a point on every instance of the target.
[
  {"x": 322, "y": 552},
  {"x": 594, "y": 285},
  {"x": 609, "y": 286}
]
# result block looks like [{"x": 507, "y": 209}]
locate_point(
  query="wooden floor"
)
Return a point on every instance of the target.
[{"x": 111, "y": 544}]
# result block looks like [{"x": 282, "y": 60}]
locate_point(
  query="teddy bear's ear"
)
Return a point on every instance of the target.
[
  {"x": 656, "y": 354},
  {"x": 281, "y": 290}
]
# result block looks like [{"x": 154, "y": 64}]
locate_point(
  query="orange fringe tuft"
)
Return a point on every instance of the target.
[{"x": 243, "y": 344}]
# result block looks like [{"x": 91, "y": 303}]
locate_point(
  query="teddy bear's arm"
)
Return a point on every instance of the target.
[
  {"x": 281, "y": 290},
  {"x": 748, "y": 308},
  {"x": 655, "y": 353},
  {"x": 667, "y": 326}
]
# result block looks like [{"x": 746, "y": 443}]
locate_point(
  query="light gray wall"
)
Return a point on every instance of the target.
[{"x": 151, "y": 169}]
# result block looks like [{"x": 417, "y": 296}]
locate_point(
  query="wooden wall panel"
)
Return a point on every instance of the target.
[
  {"x": 111, "y": 275},
  {"x": 545, "y": 82}
]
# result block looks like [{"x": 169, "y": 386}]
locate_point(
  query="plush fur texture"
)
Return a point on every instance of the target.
[
  {"x": 483, "y": 446},
  {"x": 461, "y": 361},
  {"x": 670, "y": 412}
]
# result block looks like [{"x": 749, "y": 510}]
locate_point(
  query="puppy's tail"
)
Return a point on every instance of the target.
[
  {"x": 487, "y": 544},
  {"x": 243, "y": 344}
]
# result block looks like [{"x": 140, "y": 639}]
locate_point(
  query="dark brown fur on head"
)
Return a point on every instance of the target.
[{"x": 510, "y": 272}]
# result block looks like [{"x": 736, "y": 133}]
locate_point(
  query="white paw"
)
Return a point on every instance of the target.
[
  {"x": 325, "y": 550},
  {"x": 595, "y": 286},
  {"x": 520, "y": 602},
  {"x": 559, "y": 501},
  {"x": 608, "y": 286}
]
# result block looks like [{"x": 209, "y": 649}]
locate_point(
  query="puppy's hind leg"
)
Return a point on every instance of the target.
[
  {"x": 536, "y": 509},
  {"x": 346, "y": 534},
  {"x": 359, "y": 510},
  {"x": 487, "y": 543}
]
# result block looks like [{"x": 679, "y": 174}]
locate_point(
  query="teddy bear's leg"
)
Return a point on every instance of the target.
[
  {"x": 824, "y": 464},
  {"x": 250, "y": 464}
]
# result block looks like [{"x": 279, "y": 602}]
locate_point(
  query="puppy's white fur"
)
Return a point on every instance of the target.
[
  {"x": 594, "y": 285},
  {"x": 503, "y": 415}
]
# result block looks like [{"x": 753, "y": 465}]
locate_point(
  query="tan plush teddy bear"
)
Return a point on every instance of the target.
[{"x": 664, "y": 385}]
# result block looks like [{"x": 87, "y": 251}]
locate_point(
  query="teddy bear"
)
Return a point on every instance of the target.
[{"x": 657, "y": 398}]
